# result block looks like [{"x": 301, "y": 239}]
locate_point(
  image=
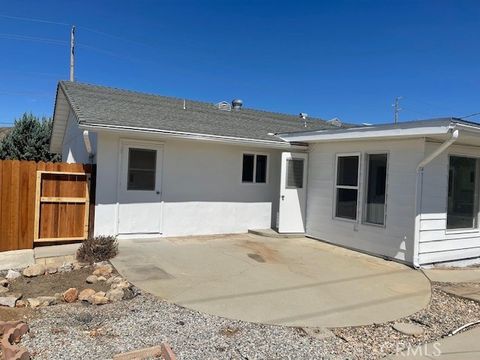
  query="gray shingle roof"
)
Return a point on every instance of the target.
[{"x": 98, "y": 105}]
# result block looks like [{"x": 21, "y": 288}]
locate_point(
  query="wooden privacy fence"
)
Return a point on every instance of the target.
[{"x": 44, "y": 202}]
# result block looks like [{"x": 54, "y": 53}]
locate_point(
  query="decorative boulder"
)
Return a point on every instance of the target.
[
  {"x": 71, "y": 295},
  {"x": 103, "y": 270},
  {"x": 86, "y": 294},
  {"x": 34, "y": 270},
  {"x": 92, "y": 279},
  {"x": 12, "y": 274},
  {"x": 9, "y": 300},
  {"x": 115, "y": 295}
]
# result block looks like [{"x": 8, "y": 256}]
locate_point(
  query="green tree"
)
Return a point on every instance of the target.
[{"x": 28, "y": 140}]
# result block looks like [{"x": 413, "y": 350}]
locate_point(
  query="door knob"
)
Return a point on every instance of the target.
[
  {"x": 158, "y": 192},
  {"x": 283, "y": 197}
]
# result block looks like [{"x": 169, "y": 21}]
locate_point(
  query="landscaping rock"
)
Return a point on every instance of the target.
[
  {"x": 99, "y": 299},
  {"x": 102, "y": 278},
  {"x": 51, "y": 270},
  {"x": 21, "y": 303},
  {"x": 92, "y": 279},
  {"x": 9, "y": 300},
  {"x": 114, "y": 279},
  {"x": 59, "y": 297},
  {"x": 130, "y": 293},
  {"x": 104, "y": 270},
  {"x": 121, "y": 285},
  {"x": 408, "y": 329},
  {"x": 71, "y": 295},
  {"x": 66, "y": 267},
  {"x": 34, "y": 270},
  {"x": 34, "y": 303},
  {"x": 47, "y": 300},
  {"x": 86, "y": 294},
  {"x": 3, "y": 290},
  {"x": 12, "y": 274},
  {"x": 4, "y": 283},
  {"x": 115, "y": 295}
]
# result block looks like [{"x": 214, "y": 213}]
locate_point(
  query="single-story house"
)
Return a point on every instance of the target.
[{"x": 173, "y": 167}]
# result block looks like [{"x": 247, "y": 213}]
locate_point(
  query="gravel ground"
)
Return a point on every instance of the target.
[{"x": 79, "y": 331}]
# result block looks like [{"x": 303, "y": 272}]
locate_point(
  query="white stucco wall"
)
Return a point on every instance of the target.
[
  {"x": 73, "y": 149},
  {"x": 202, "y": 191},
  {"x": 396, "y": 238},
  {"x": 437, "y": 244}
]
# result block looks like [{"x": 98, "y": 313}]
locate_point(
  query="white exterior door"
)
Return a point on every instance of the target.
[
  {"x": 140, "y": 189},
  {"x": 293, "y": 190}
]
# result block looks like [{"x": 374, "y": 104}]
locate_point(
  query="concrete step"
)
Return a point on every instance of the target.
[{"x": 274, "y": 234}]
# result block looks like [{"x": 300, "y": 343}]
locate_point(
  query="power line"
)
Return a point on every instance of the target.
[
  {"x": 471, "y": 115},
  {"x": 33, "y": 20},
  {"x": 20, "y": 37}
]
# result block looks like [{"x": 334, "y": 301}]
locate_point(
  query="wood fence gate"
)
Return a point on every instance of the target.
[{"x": 44, "y": 202}]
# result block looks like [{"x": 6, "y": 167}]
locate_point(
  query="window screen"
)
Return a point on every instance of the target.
[
  {"x": 462, "y": 203},
  {"x": 248, "y": 167},
  {"x": 376, "y": 186},
  {"x": 347, "y": 187},
  {"x": 295, "y": 173},
  {"x": 254, "y": 168},
  {"x": 261, "y": 171},
  {"x": 141, "y": 169}
]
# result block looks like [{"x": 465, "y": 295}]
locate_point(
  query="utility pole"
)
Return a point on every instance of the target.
[
  {"x": 397, "y": 108},
  {"x": 72, "y": 54}
]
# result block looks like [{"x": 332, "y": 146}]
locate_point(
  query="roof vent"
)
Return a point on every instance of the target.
[
  {"x": 335, "y": 122},
  {"x": 224, "y": 105},
  {"x": 237, "y": 104}
]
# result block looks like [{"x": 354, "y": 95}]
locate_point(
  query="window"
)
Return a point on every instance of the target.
[
  {"x": 376, "y": 189},
  {"x": 141, "y": 169},
  {"x": 295, "y": 173},
  {"x": 254, "y": 168},
  {"x": 462, "y": 196},
  {"x": 347, "y": 187}
]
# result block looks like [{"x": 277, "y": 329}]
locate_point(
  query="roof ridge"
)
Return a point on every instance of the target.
[{"x": 136, "y": 92}]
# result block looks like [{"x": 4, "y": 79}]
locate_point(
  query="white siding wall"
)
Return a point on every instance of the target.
[
  {"x": 436, "y": 243},
  {"x": 73, "y": 150},
  {"x": 396, "y": 239},
  {"x": 201, "y": 190}
]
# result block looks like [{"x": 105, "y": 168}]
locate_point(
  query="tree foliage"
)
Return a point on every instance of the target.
[{"x": 28, "y": 140}]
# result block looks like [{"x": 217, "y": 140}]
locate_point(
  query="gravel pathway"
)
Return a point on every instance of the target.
[{"x": 79, "y": 331}]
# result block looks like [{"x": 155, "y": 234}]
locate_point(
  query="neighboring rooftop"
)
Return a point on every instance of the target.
[{"x": 104, "y": 107}]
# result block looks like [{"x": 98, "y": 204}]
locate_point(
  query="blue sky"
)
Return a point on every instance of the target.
[{"x": 346, "y": 59}]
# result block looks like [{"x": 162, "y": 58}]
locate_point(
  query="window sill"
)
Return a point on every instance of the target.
[
  {"x": 462, "y": 231},
  {"x": 375, "y": 225},
  {"x": 345, "y": 220}
]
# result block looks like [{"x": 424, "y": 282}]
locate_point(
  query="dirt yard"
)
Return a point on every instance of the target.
[{"x": 48, "y": 285}]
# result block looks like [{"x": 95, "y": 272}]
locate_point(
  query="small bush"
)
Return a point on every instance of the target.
[{"x": 98, "y": 248}]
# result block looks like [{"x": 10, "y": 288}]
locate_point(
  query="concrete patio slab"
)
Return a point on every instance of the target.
[
  {"x": 453, "y": 275},
  {"x": 296, "y": 282},
  {"x": 467, "y": 291},
  {"x": 464, "y": 346}
]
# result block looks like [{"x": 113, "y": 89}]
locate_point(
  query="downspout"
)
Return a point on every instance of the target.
[
  {"x": 419, "y": 190},
  {"x": 88, "y": 146}
]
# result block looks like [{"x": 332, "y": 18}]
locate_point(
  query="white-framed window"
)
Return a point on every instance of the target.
[
  {"x": 254, "y": 168},
  {"x": 141, "y": 169},
  {"x": 347, "y": 186},
  {"x": 462, "y": 197},
  {"x": 375, "y": 188}
]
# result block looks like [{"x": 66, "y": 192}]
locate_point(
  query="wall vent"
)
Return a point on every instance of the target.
[{"x": 224, "y": 105}]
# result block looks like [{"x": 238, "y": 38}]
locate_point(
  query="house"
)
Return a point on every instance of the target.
[{"x": 170, "y": 167}]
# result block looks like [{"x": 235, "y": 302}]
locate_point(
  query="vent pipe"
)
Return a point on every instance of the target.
[{"x": 237, "y": 104}]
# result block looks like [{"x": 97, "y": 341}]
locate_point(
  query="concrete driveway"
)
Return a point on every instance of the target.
[{"x": 295, "y": 282}]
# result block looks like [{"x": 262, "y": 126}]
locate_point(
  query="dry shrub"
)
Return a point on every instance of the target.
[{"x": 98, "y": 248}]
